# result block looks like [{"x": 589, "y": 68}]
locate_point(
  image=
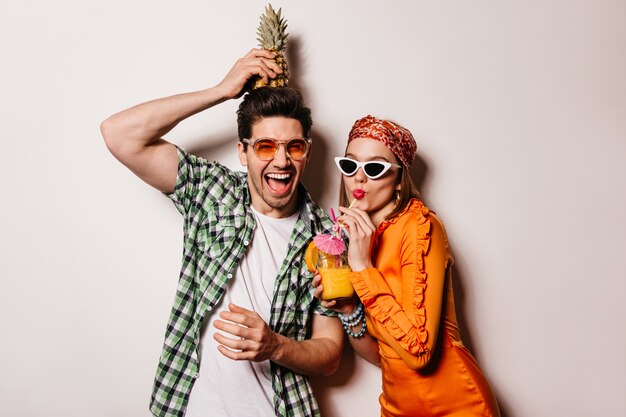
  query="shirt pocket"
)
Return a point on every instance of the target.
[{"x": 217, "y": 233}]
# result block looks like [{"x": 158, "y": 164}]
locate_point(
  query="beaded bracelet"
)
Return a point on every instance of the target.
[
  {"x": 357, "y": 317},
  {"x": 354, "y": 318}
]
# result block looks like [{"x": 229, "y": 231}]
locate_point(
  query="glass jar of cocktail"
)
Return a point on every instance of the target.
[{"x": 335, "y": 273}]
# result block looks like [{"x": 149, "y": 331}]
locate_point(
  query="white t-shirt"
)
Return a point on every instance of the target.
[{"x": 242, "y": 388}]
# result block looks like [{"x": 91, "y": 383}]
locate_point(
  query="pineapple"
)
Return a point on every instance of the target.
[{"x": 272, "y": 36}]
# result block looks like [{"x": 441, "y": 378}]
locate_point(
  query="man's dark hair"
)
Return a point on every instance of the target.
[{"x": 271, "y": 102}]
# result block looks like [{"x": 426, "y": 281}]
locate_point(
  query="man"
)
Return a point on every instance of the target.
[{"x": 241, "y": 336}]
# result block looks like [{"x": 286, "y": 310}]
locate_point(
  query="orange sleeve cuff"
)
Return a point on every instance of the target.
[{"x": 383, "y": 307}]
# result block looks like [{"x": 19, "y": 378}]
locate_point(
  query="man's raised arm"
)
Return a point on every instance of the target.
[{"x": 135, "y": 135}]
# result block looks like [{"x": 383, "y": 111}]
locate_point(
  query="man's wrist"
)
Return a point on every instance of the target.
[
  {"x": 277, "y": 352},
  {"x": 220, "y": 92}
]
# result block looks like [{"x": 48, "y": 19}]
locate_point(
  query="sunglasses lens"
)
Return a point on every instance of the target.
[
  {"x": 265, "y": 148},
  {"x": 373, "y": 169},
  {"x": 297, "y": 148},
  {"x": 347, "y": 166}
]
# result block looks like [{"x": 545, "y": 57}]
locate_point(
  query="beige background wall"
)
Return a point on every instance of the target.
[{"x": 519, "y": 109}]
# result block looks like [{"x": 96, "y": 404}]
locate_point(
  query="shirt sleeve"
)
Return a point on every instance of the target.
[
  {"x": 318, "y": 309},
  {"x": 412, "y": 318},
  {"x": 198, "y": 181}
]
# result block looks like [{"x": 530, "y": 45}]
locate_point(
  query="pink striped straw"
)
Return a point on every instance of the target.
[{"x": 336, "y": 228}]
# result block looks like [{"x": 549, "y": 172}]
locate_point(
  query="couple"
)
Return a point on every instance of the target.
[{"x": 247, "y": 326}]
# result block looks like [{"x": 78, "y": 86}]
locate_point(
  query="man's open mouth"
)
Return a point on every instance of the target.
[{"x": 279, "y": 183}]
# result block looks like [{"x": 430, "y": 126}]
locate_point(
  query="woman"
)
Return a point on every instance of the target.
[{"x": 401, "y": 264}]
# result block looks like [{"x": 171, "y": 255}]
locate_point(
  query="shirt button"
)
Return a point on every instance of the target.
[
  {"x": 246, "y": 243},
  {"x": 230, "y": 276},
  {"x": 197, "y": 374}
]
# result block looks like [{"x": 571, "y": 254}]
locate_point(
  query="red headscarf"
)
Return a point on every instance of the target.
[{"x": 398, "y": 139}]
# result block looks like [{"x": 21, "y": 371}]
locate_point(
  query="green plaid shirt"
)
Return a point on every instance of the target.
[{"x": 218, "y": 225}]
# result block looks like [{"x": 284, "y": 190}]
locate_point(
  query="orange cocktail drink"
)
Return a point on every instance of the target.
[{"x": 335, "y": 273}]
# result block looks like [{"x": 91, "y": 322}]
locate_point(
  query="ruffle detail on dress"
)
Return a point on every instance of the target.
[
  {"x": 389, "y": 314},
  {"x": 408, "y": 329},
  {"x": 414, "y": 205}
]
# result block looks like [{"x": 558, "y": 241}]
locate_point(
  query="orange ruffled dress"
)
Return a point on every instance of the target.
[{"x": 409, "y": 302}]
